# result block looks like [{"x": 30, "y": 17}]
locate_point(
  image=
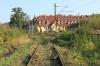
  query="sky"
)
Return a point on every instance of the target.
[{"x": 45, "y": 7}]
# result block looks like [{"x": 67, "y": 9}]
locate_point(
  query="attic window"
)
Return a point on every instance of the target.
[
  {"x": 39, "y": 22},
  {"x": 75, "y": 21},
  {"x": 71, "y": 22},
  {"x": 64, "y": 21},
  {"x": 58, "y": 22}
]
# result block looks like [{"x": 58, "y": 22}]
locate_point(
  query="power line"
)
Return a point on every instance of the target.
[
  {"x": 55, "y": 10},
  {"x": 64, "y": 7}
]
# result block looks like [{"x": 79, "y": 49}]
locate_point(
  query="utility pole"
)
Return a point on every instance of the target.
[
  {"x": 55, "y": 18},
  {"x": 55, "y": 14},
  {"x": 79, "y": 19}
]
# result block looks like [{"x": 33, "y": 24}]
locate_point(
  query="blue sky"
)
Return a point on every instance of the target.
[{"x": 45, "y": 7}]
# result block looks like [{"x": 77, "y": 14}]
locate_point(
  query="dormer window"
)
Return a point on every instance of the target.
[
  {"x": 39, "y": 22},
  {"x": 43, "y": 22},
  {"x": 58, "y": 22},
  {"x": 75, "y": 21},
  {"x": 71, "y": 22},
  {"x": 62, "y": 22}
]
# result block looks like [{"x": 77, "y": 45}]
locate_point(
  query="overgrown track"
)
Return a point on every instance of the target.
[
  {"x": 32, "y": 56},
  {"x": 57, "y": 57}
]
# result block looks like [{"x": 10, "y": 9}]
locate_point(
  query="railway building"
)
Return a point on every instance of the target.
[{"x": 46, "y": 23}]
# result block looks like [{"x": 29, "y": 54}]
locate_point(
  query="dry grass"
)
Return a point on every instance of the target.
[
  {"x": 41, "y": 56},
  {"x": 69, "y": 57},
  {"x": 20, "y": 40}
]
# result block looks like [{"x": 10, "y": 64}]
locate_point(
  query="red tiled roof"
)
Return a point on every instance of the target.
[{"x": 51, "y": 19}]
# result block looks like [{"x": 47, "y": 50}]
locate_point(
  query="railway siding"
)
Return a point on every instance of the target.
[
  {"x": 49, "y": 56},
  {"x": 40, "y": 57},
  {"x": 65, "y": 56}
]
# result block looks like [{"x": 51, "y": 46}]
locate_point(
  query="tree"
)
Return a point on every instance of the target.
[{"x": 17, "y": 18}]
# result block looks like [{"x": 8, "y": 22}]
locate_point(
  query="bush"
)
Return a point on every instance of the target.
[
  {"x": 7, "y": 33},
  {"x": 64, "y": 39}
]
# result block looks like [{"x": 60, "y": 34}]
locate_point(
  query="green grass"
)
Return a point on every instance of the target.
[
  {"x": 8, "y": 34},
  {"x": 2, "y": 50},
  {"x": 16, "y": 59}
]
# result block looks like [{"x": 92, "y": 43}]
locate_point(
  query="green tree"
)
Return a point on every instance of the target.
[{"x": 17, "y": 18}]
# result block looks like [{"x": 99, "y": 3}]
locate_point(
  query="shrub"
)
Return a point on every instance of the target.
[{"x": 64, "y": 39}]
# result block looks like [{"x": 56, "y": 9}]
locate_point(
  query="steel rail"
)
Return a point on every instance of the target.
[{"x": 28, "y": 64}]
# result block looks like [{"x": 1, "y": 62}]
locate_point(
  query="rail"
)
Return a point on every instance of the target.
[
  {"x": 32, "y": 55},
  {"x": 59, "y": 56}
]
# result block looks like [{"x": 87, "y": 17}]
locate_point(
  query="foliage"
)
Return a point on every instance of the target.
[
  {"x": 81, "y": 41},
  {"x": 95, "y": 21},
  {"x": 14, "y": 45},
  {"x": 95, "y": 25},
  {"x": 17, "y": 17},
  {"x": 64, "y": 39},
  {"x": 8, "y": 33}
]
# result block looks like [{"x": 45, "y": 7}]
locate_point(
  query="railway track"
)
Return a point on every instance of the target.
[
  {"x": 51, "y": 57},
  {"x": 58, "y": 61},
  {"x": 32, "y": 56}
]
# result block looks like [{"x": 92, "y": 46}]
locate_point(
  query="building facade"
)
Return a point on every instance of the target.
[{"x": 60, "y": 23}]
